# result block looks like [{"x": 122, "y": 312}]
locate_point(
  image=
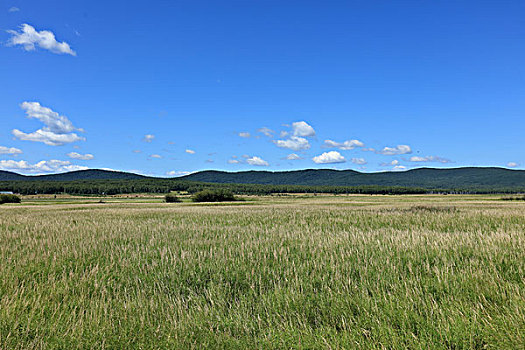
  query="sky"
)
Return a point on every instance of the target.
[{"x": 166, "y": 88}]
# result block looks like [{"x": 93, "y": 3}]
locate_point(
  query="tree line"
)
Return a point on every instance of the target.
[{"x": 112, "y": 187}]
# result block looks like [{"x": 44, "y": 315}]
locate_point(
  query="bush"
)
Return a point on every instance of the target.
[
  {"x": 9, "y": 198},
  {"x": 172, "y": 198},
  {"x": 517, "y": 198},
  {"x": 213, "y": 196}
]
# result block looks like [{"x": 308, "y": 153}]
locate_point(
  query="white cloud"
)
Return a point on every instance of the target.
[
  {"x": 137, "y": 151},
  {"x": 233, "y": 161},
  {"x": 429, "y": 159},
  {"x": 399, "y": 149},
  {"x": 177, "y": 173},
  {"x": 13, "y": 9},
  {"x": 399, "y": 167},
  {"x": 148, "y": 138},
  {"x": 10, "y": 150},
  {"x": 512, "y": 164},
  {"x": 256, "y": 161},
  {"x": 190, "y": 151},
  {"x": 44, "y": 166},
  {"x": 293, "y": 156},
  {"x": 158, "y": 156},
  {"x": 302, "y": 129},
  {"x": 294, "y": 143},
  {"x": 244, "y": 134},
  {"x": 329, "y": 158},
  {"x": 47, "y": 137},
  {"x": 346, "y": 145},
  {"x": 76, "y": 155},
  {"x": 283, "y": 134},
  {"x": 266, "y": 131},
  {"x": 392, "y": 163},
  {"x": 29, "y": 37},
  {"x": 359, "y": 161},
  {"x": 58, "y": 129}
]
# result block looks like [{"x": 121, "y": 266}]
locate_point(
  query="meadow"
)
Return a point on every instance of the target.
[{"x": 304, "y": 272}]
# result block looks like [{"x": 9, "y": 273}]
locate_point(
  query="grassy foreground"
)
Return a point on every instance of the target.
[{"x": 365, "y": 272}]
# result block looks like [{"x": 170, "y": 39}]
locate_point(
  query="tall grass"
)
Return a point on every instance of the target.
[{"x": 327, "y": 272}]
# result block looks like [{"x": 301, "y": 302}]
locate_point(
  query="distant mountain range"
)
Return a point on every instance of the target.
[{"x": 459, "y": 178}]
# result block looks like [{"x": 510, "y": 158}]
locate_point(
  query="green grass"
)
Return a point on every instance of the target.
[{"x": 366, "y": 272}]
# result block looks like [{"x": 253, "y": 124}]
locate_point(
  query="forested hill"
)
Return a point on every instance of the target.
[
  {"x": 91, "y": 174},
  {"x": 428, "y": 178},
  {"x": 465, "y": 178}
]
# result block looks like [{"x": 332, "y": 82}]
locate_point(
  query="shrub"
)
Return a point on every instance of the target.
[
  {"x": 213, "y": 196},
  {"x": 517, "y": 198},
  {"x": 172, "y": 198},
  {"x": 9, "y": 198}
]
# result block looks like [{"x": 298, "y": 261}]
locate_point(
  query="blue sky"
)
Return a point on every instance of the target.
[{"x": 267, "y": 85}]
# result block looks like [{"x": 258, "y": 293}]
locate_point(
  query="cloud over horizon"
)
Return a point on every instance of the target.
[
  {"x": 44, "y": 166},
  {"x": 329, "y": 158},
  {"x": 76, "y": 155},
  {"x": 392, "y": 151},
  {"x": 256, "y": 161}
]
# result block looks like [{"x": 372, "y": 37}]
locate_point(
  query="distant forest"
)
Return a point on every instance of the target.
[
  {"x": 416, "y": 181},
  {"x": 112, "y": 187}
]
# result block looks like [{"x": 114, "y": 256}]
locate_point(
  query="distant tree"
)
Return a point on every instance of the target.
[
  {"x": 218, "y": 195},
  {"x": 9, "y": 198},
  {"x": 172, "y": 198}
]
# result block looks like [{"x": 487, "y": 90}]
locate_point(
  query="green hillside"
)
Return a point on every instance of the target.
[
  {"x": 423, "y": 177},
  {"x": 90, "y": 174}
]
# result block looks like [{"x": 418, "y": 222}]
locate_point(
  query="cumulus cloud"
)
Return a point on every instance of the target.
[
  {"x": 76, "y": 155},
  {"x": 430, "y": 159},
  {"x": 266, "y": 131},
  {"x": 256, "y": 161},
  {"x": 58, "y": 129},
  {"x": 302, "y": 129},
  {"x": 294, "y": 143},
  {"x": 329, "y": 158},
  {"x": 28, "y": 37},
  {"x": 399, "y": 167},
  {"x": 399, "y": 149},
  {"x": 10, "y": 150},
  {"x": 512, "y": 164},
  {"x": 148, "y": 138},
  {"x": 283, "y": 134},
  {"x": 53, "y": 122},
  {"x": 345, "y": 146},
  {"x": 293, "y": 156},
  {"x": 359, "y": 161},
  {"x": 190, "y": 151},
  {"x": 177, "y": 173},
  {"x": 44, "y": 166},
  {"x": 244, "y": 134},
  {"x": 158, "y": 156},
  {"x": 13, "y": 9}
]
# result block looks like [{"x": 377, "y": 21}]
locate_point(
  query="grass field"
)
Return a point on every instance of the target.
[{"x": 365, "y": 272}]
